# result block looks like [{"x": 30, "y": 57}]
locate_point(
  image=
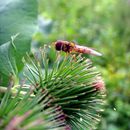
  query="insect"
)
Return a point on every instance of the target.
[{"x": 71, "y": 47}]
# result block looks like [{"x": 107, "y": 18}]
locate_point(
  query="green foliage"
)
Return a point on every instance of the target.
[
  {"x": 16, "y": 17},
  {"x": 7, "y": 62},
  {"x": 70, "y": 95},
  {"x": 103, "y": 25},
  {"x": 74, "y": 85},
  {"x": 26, "y": 111}
]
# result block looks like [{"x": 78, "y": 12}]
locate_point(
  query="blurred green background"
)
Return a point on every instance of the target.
[{"x": 105, "y": 26}]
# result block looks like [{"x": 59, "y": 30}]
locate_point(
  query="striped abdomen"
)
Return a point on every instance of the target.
[{"x": 86, "y": 50}]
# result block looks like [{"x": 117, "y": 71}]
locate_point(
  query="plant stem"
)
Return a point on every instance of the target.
[
  {"x": 3, "y": 89},
  {"x": 14, "y": 90}
]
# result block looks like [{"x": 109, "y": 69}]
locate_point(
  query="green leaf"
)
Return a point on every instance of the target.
[
  {"x": 7, "y": 62},
  {"x": 18, "y": 17}
]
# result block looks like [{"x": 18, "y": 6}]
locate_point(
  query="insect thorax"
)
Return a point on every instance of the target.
[{"x": 64, "y": 46}]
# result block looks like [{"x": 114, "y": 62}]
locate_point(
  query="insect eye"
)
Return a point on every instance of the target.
[{"x": 58, "y": 45}]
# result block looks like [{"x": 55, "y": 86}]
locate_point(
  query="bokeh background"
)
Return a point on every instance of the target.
[{"x": 105, "y": 26}]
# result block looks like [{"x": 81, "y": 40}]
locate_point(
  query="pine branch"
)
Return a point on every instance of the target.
[
  {"x": 30, "y": 113},
  {"x": 69, "y": 95},
  {"x": 74, "y": 85}
]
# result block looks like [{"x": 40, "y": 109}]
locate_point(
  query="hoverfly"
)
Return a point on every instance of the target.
[{"x": 71, "y": 47}]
